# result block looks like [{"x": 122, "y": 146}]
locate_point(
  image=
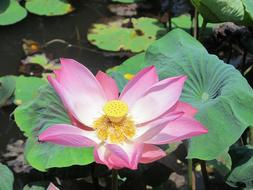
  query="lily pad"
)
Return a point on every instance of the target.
[
  {"x": 217, "y": 11},
  {"x": 133, "y": 35},
  {"x": 223, "y": 97},
  {"x": 11, "y": 12},
  {"x": 48, "y": 7},
  {"x": 6, "y": 178},
  {"x": 26, "y": 88},
  {"x": 39, "y": 114},
  {"x": 7, "y": 87},
  {"x": 242, "y": 167}
]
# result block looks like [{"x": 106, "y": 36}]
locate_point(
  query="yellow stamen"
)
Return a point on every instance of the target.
[
  {"x": 115, "y": 126},
  {"x": 115, "y": 110}
]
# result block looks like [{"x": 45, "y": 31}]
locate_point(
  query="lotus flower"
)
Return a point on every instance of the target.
[{"x": 123, "y": 129}]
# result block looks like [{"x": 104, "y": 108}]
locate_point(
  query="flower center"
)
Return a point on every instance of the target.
[
  {"x": 114, "y": 126},
  {"x": 115, "y": 110}
]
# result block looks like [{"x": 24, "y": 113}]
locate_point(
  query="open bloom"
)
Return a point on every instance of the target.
[{"x": 123, "y": 129}]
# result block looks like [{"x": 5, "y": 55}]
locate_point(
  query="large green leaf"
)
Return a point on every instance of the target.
[
  {"x": 126, "y": 35},
  {"x": 39, "y": 114},
  {"x": 7, "y": 87},
  {"x": 223, "y": 97},
  {"x": 128, "y": 68},
  {"x": 26, "y": 88},
  {"x": 48, "y": 7},
  {"x": 6, "y": 178},
  {"x": 11, "y": 12},
  {"x": 217, "y": 11},
  {"x": 242, "y": 167}
]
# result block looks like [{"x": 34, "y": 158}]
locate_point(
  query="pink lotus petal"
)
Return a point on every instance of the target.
[
  {"x": 180, "y": 129},
  {"x": 85, "y": 110},
  {"x": 78, "y": 80},
  {"x": 109, "y": 85},
  {"x": 186, "y": 108},
  {"x": 101, "y": 155},
  {"x": 158, "y": 99},
  {"x": 125, "y": 155},
  {"x": 138, "y": 85},
  {"x": 81, "y": 93},
  {"x": 151, "y": 153},
  {"x": 151, "y": 129},
  {"x": 68, "y": 135},
  {"x": 52, "y": 187}
]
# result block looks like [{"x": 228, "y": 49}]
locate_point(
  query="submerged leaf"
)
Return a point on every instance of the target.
[{"x": 39, "y": 114}]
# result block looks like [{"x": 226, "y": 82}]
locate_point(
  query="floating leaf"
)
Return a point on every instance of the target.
[
  {"x": 242, "y": 167},
  {"x": 48, "y": 7},
  {"x": 7, "y": 87},
  {"x": 36, "y": 116},
  {"x": 217, "y": 11},
  {"x": 128, "y": 35},
  {"x": 6, "y": 178},
  {"x": 11, "y": 12},
  {"x": 26, "y": 88},
  {"x": 223, "y": 97}
]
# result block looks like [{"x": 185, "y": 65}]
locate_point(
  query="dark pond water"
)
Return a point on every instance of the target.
[{"x": 70, "y": 28}]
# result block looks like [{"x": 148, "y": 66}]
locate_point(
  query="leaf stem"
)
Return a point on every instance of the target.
[
  {"x": 204, "y": 174},
  {"x": 202, "y": 31},
  {"x": 114, "y": 179},
  {"x": 190, "y": 174},
  {"x": 195, "y": 24},
  {"x": 251, "y": 136}
]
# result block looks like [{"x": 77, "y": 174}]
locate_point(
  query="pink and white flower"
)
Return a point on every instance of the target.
[{"x": 123, "y": 129}]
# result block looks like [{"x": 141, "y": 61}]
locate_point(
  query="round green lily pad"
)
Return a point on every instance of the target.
[
  {"x": 133, "y": 35},
  {"x": 49, "y": 7},
  {"x": 11, "y": 12}
]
